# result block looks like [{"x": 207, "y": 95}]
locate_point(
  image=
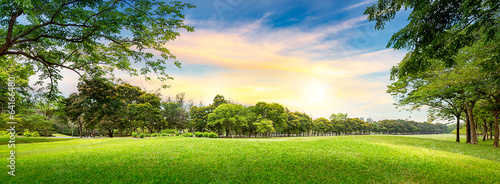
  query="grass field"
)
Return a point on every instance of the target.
[
  {"x": 4, "y": 140},
  {"x": 343, "y": 159}
]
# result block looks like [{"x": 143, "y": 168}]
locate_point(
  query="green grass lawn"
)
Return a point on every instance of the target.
[
  {"x": 61, "y": 135},
  {"x": 343, "y": 159},
  {"x": 4, "y": 140}
]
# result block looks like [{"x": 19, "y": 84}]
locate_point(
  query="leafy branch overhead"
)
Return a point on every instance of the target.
[
  {"x": 436, "y": 29},
  {"x": 91, "y": 37}
]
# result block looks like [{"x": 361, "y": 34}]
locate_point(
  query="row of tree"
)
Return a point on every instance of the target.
[{"x": 119, "y": 110}]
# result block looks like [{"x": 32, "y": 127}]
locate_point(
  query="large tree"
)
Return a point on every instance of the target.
[
  {"x": 228, "y": 116},
  {"x": 90, "y": 37}
]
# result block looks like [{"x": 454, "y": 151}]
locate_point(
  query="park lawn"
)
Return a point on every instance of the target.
[
  {"x": 61, "y": 135},
  {"x": 342, "y": 159},
  {"x": 4, "y": 140}
]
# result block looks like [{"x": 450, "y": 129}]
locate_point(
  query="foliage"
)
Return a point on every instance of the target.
[
  {"x": 175, "y": 112},
  {"x": 205, "y": 134},
  {"x": 142, "y": 135},
  {"x": 87, "y": 36},
  {"x": 229, "y": 116},
  {"x": 436, "y": 29},
  {"x": 452, "y": 64},
  {"x": 274, "y": 112},
  {"x": 212, "y": 135},
  {"x": 17, "y": 74},
  {"x": 135, "y": 134},
  {"x": 168, "y": 131},
  {"x": 339, "y": 116},
  {"x": 265, "y": 126},
  {"x": 27, "y": 133}
]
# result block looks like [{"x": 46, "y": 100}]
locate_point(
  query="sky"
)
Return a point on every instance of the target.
[{"x": 317, "y": 57}]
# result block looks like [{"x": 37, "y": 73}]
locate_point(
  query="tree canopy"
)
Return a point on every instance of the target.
[{"x": 91, "y": 37}]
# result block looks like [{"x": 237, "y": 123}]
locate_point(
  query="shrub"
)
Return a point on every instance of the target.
[
  {"x": 176, "y": 134},
  {"x": 4, "y": 133},
  {"x": 205, "y": 134},
  {"x": 212, "y": 135},
  {"x": 198, "y": 134},
  {"x": 135, "y": 134},
  {"x": 148, "y": 135},
  {"x": 154, "y": 135},
  {"x": 165, "y": 134},
  {"x": 188, "y": 134},
  {"x": 142, "y": 135},
  {"x": 27, "y": 133},
  {"x": 35, "y": 134}
]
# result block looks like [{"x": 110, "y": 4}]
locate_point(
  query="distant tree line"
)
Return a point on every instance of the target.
[{"x": 108, "y": 109}]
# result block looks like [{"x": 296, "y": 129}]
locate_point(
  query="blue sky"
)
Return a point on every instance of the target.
[{"x": 318, "y": 57}]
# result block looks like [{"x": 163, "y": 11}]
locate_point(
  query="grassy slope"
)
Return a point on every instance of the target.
[{"x": 351, "y": 159}]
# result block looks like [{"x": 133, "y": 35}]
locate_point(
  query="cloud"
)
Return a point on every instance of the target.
[
  {"x": 358, "y": 5},
  {"x": 287, "y": 65},
  {"x": 312, "y": 70}
]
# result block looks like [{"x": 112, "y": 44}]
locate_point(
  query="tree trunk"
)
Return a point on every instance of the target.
[
  {"x": 491, "y": 131},
  {"x": 120, "y": 130},
  {"x": 485, "y": 133},
  {"x": 467, "y": 127},
  {"x": 110, "y": 133},
  {"x": 470, "y": 109},
  {"x": 81, "y": 128},
  {"x": 458, "y": 128},
  {"x": 495, "y": 139}
]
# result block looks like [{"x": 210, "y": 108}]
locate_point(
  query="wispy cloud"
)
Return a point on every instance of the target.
[
  {"x": 286, "y": 65},
  {"x": 358, "y": 5},
  {"x": 308, "y": 70}
]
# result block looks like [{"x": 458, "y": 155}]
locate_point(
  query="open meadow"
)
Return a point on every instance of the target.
[{"x": 336, "y": 159}]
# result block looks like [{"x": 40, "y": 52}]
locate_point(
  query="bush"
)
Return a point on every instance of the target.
[
  {"x": 198, "y": 134},
  {"x": 142, "y": 135},
  {"x": 4, "y": 133},
  {"x": 205, "y": 134},
  {"x": 154, "y": 135},
  {"x": 212, "y": 135},
  {"x": 176, "y": 134},
  {"x": 135, "y": 134},
  {"x": 148, "y": 135},
  {"x": 165, "y": 134},
  {"x": 35, "y": 134},
  {"x": 188, "y": 135},
  {"x": 27, "y": 133}
]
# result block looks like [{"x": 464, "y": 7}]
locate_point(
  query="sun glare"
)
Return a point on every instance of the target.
[{"x": 315, "y": 92}]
